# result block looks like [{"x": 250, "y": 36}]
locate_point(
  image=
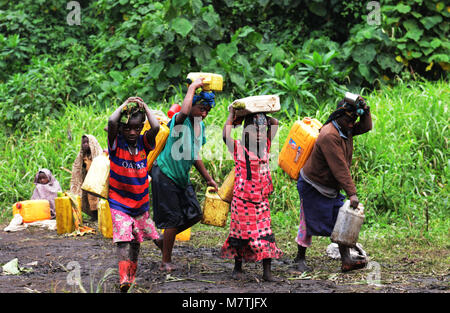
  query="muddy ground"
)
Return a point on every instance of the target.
[{"x": 55, "y": 261}]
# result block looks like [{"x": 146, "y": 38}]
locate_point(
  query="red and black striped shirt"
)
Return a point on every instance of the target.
[{"x": 128, "y": 179}]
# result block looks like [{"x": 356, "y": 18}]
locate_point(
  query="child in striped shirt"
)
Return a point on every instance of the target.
[{"x": 129, "y": 184}]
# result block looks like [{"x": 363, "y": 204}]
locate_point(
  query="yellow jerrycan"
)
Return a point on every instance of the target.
[
  {"x": 298, "y": 146},
  {"x": 215, "y": 210},
  {"x": 212, "y": 81},
  {"x": 96, "y": 181},
  {"x": 64, "y": 214},
  {"x": 185, "y": 235},
  {"x": 32, "y": 210},
  {"x": 104, "y": 219},
  {"x": 160, "y": 140},
  {"x": 226, "y": 190}
]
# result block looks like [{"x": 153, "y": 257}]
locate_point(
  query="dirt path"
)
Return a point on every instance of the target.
[{"x": 56, "y": 261}]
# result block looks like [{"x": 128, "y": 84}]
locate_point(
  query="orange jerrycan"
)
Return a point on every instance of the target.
[
  {"x": 298, "y": 146},
  {"x": 32, "y": 210},
  {"x": 160, "y": 140},
  {"x": 64, "y": 214},
  {"x": 105, "y": 219}
]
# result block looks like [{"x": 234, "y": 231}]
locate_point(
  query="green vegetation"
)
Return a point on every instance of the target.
[{"x": 308, "y": 52}]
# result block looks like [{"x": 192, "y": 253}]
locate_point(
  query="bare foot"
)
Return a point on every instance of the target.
[
  {"x": 353, "y": 265},
  {"x": 270, "y": 278},
  {"x": 237, "y": 274},
  {"x": 302, "y": 267},
  {"x": 167, "y": 267}
]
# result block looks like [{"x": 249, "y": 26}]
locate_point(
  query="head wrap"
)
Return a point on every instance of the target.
[
  {"x": 205, "y": 98},
  {"x": 48, "y": 191},
  {"x": 341, "y": 109},
  {"x": 78, "y": 171},
  {"x": 256, "y": 119}
]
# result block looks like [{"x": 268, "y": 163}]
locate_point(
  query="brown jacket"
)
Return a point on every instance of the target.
[{"x": 331, "y": 157}]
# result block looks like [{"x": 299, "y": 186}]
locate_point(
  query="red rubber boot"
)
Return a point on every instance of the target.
[
  {"x": 132, "y": 272},
  {"x": 124, "y": 274}
]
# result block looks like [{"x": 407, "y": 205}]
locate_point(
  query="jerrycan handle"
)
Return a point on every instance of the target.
[
  {"x": 210, "y": 190},
  {"x": 206, "y": 79}
]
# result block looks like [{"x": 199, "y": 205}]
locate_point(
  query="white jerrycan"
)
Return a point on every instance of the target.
[{"x": 348, "y": 224}]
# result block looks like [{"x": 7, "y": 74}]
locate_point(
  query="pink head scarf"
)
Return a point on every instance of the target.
[{"x": 48, "y": 191}]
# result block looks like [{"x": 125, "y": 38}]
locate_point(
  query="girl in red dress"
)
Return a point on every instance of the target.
[{"x": 251, "y": 238}]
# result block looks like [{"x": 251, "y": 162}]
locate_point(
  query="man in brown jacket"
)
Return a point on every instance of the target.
[{"x": 325, "y": 173}]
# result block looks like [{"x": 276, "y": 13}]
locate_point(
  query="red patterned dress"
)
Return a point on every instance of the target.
[{"x": 250, "y": 230}]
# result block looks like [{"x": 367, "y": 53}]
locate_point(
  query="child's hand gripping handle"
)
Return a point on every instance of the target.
[
  {"x": 212, "y": 185},
  {"x": 210, "y": 190}
]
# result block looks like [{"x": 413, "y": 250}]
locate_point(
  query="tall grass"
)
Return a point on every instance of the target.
[{"x": 401, "y": 167}]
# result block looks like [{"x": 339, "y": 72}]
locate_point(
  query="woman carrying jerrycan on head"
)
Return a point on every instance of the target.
[
  {"x": 251, "y": 237},
  {"x": 175, "y": 205}
]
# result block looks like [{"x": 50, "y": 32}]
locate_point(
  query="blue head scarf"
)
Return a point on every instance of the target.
[{"x": 205, "y": 98}]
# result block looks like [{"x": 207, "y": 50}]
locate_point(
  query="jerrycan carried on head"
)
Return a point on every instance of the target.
[
  {"x": 211, "y": 82},
  {"x": 256, "y": 104},
  {"x": 348, "y": 224}
]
